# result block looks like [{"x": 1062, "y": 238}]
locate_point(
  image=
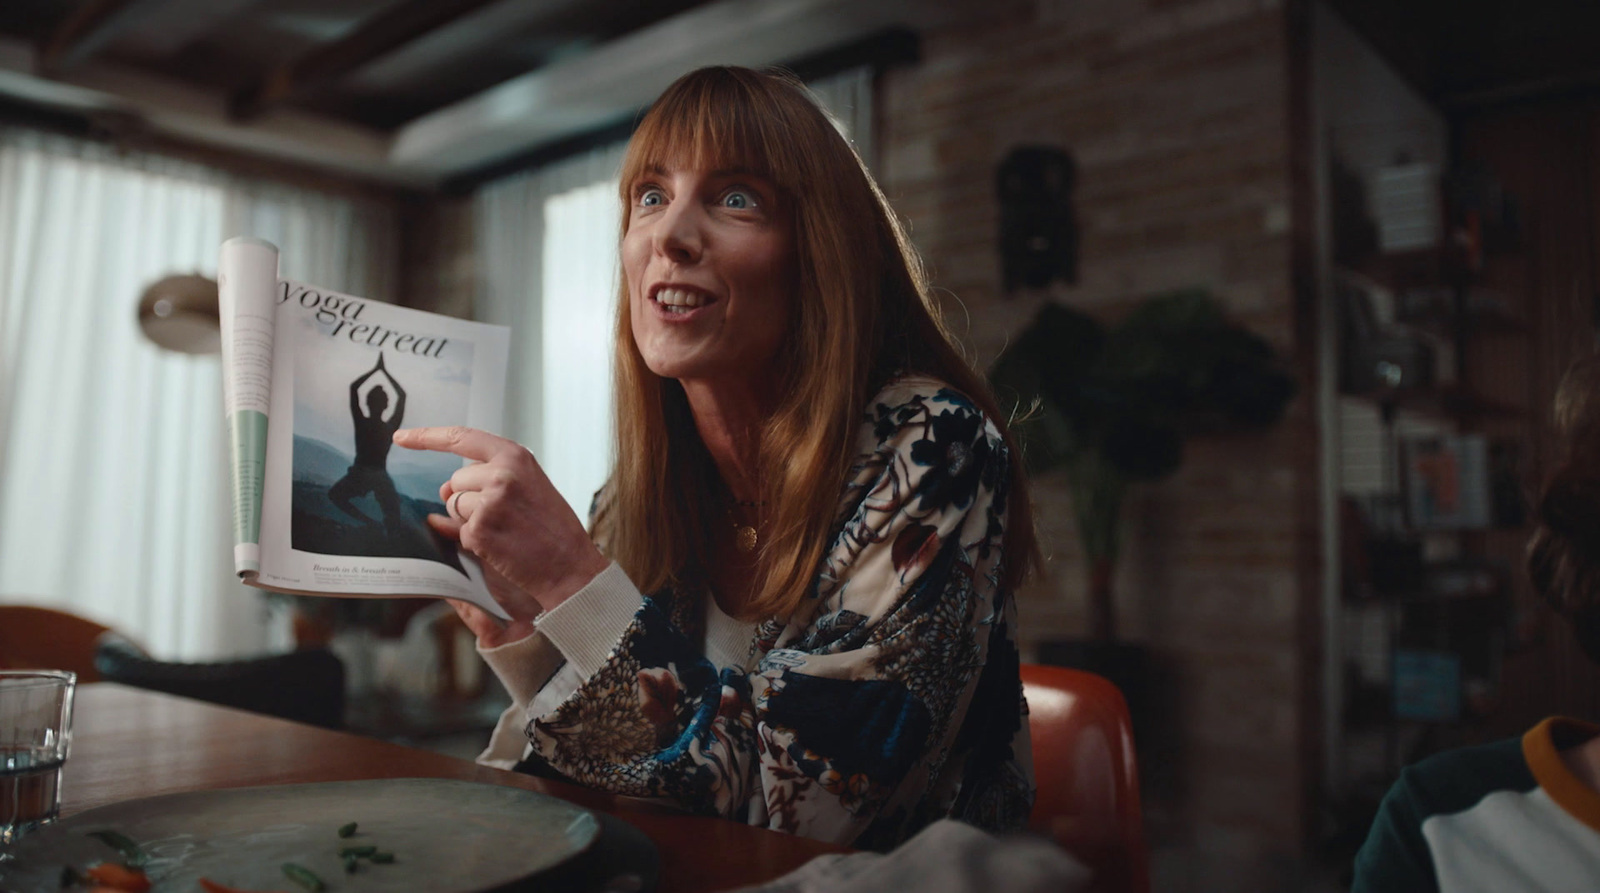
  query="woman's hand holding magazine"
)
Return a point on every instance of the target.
[{"x": 502, "y": 508}]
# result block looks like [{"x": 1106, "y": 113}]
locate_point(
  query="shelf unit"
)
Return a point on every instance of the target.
[{"x": 1429, "y": 597}]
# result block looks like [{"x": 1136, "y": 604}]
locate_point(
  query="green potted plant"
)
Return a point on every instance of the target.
[{"x": 1111, "y": 407}]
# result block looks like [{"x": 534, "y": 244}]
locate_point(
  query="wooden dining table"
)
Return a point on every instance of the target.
[{"x": 130, "y": 743}]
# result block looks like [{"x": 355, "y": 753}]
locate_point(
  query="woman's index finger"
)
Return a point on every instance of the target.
[{"x": 468, "y": 443}]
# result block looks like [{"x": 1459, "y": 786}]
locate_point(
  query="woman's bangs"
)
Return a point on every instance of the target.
[{"x": 706, "y": 123}]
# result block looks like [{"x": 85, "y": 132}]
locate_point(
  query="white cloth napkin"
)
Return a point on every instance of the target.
[{"x": 946, "y": 857}]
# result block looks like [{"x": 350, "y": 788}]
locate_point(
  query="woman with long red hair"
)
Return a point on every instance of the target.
[{"x": 793, "y": 606}]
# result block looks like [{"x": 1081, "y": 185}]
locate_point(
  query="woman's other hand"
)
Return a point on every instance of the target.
[
  {"x": 504, "y": 510},
  {"x": 492, "y": 632}
]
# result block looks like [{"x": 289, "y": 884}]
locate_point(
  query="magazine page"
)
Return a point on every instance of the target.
[
  {"x": 247, "y": 278},
  {"x": 343, "y": 509}
]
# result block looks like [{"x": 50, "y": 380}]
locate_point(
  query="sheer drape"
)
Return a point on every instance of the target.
[
  {"x": 547, "y": 256},
  {"x": 112, "y": 450},
  {"x": 578, "y": 310},
  {"x": 547, "y": 253},
  {"x": 848, "y": 98}
]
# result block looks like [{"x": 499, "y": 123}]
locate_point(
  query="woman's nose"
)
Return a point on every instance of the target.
[{"x": 680, "y": 237}]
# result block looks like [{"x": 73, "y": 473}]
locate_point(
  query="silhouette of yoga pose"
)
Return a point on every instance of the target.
[{"x": 374, "y": 436}]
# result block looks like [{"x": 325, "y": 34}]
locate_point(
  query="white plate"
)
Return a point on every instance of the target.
[{"x": 448, "y": 836}]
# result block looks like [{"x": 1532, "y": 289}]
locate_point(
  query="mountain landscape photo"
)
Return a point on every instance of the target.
[{"x": 317, "y": 525}]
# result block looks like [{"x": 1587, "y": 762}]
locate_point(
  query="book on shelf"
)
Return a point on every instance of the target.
[
  {"x": 1447, "y": 482},
  {"x": 315, "y": 384}
]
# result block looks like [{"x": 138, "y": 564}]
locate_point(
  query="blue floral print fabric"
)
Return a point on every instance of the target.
[{"x": 890, "y": 700}]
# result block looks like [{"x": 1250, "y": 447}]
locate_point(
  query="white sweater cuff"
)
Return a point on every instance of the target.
[
  {"x": 507, "y": 743},
  {"x": 524, "y": 666},
  {"x": 587, "y": 627}
]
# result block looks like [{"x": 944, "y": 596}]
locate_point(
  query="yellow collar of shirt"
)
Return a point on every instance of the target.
[{"x": 1542, "y": 747}]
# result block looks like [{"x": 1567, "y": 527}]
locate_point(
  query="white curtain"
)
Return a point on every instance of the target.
[
  {"x": 848, "y": 98},
  {"x": 112, "y": 451},
  {"x": 547, "y": 252},
  {"x": 579, "y": 308},
  {"x": 547, "y": 256}
]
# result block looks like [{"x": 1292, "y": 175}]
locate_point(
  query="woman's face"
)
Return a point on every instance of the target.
[{"x": 709, "y": 258}]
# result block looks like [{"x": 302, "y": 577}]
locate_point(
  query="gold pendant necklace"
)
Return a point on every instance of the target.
[{"x": 745, "y": 537}]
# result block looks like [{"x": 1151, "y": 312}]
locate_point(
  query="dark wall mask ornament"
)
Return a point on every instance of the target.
[{"x": 1038, "y": 232}]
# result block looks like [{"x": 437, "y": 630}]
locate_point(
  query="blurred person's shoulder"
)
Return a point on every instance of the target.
[
  {"x": 1459, "y": 779},
  {"x": 1504, "y": 815},
  {"x": 1456, "y": 780},
  {"x": 1400, "y": 854}
]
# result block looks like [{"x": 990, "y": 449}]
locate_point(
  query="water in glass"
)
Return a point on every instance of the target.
[
  {"x": 35, "y": 733},
  {"x": 30, "y": 790}
]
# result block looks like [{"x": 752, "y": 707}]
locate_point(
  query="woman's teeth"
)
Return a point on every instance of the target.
[{"x": 677, "y": 300}]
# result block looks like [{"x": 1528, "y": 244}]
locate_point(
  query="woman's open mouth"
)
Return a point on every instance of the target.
[{"x": 675, "y": 301}]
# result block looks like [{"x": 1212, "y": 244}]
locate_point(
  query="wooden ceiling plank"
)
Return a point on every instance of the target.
[
  {"x": 446, "y": 46},
  {"x": 90, "y": 27},
  {"x": 393, "y": 28},
  {"x": 179, "y": 110},
  {"x": 178, "y": 23},
  {"x": 618, "y": 78}
]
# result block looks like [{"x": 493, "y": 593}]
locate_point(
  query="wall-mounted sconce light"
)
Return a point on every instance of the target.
[{"x": 180, "y": 313}]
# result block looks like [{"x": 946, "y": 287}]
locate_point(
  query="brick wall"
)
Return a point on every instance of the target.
[{"x": 1178, "y": 114}]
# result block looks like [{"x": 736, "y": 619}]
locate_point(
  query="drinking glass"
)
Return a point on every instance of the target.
[{"x": 35, "y": 734}]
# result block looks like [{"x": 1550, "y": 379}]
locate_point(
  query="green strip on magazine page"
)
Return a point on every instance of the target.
[{"x": 249, "y": 433}]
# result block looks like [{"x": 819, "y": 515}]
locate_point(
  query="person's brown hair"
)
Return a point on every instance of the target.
[
  {"x": 862, "y": 313},
  {"x": 1564, "y": 552}
]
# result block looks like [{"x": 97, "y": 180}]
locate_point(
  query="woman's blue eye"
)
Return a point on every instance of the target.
[
  {"x": 738, "y": 200},
  {"x": 651, "y": 197}
]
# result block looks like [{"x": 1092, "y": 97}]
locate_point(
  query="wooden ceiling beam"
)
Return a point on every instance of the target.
[
  {"x": 612, "y": 82},
  {"x": 179, "y": 112},
  {"x": 393, "y": 28},
  {"x": 90, "y": 27}
]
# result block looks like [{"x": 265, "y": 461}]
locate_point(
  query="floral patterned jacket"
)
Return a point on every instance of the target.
[{"x": 892, "y": 699}]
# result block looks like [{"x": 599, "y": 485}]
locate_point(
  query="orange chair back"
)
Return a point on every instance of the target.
[
  {"x": 1087, "y": 774},
  {"x": 43, "y": 638}
]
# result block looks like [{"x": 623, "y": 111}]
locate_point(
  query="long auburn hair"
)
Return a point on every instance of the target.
[{"x": 861, "y": 314}]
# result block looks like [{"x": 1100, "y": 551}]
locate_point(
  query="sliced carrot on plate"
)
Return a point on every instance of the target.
[
  {"x": 118, "y": 877},
  {"x": 211, "y": 886}
]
